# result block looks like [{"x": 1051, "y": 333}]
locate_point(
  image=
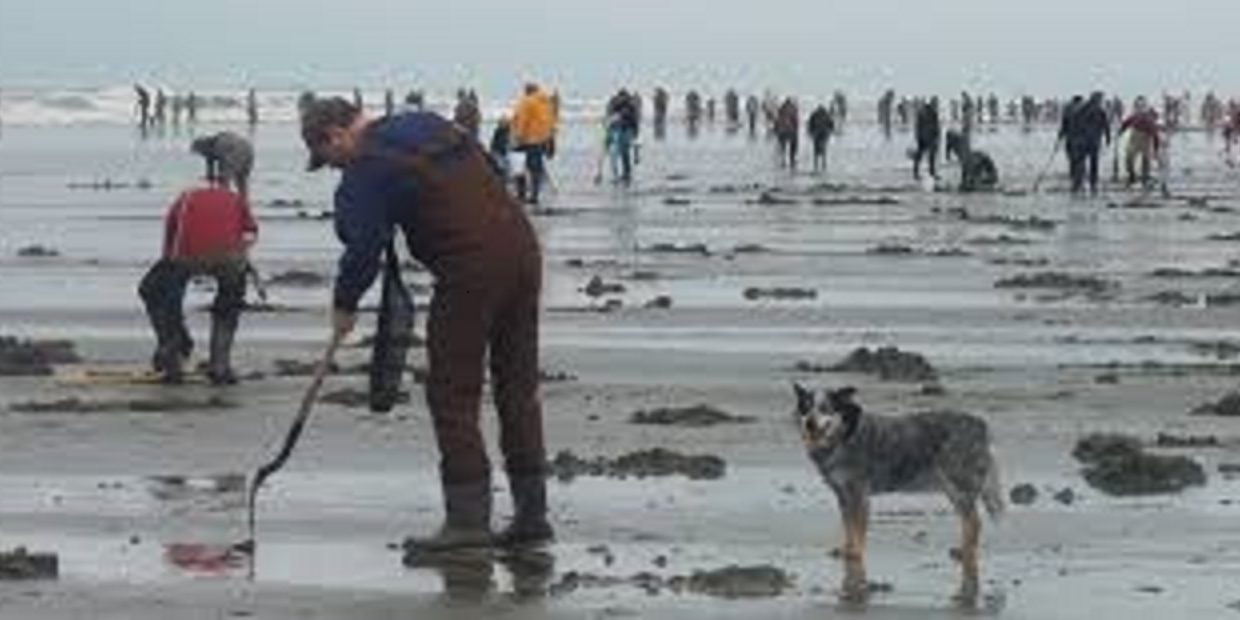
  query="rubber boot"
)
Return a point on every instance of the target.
[
  {"x": 168, "y": 363},
  {"x": 467, "y": 523},
  {"x": 529, "y": 525},
  {"x": 219, "y": 366}
]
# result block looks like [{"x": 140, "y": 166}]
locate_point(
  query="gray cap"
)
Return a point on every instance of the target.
[{"x": 319, "y": 115}]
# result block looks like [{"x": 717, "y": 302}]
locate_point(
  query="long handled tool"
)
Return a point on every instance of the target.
[
  {"x": 1037, "y": 182},
  {"x": 290, "y": 440}
]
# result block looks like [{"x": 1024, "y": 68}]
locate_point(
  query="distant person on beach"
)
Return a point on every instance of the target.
[
  {"x": 839, "y": 108},
  {"x": 389, "y": 102},
  {"x": 1084, "y": 127},
  {"x": 143, "y": 105},
  {"x": 466, "y": 113},
  {"x": 415, "y": 100},
  {"x": 304, "y": 100},
  {"x": 251, "y": 108},
  {"x": 1143, "y": 130},
  {"x": 533, "y": 131},
  {"x": 693, "y": 109},
  {"x": 732, "y": 109},
  {"x": 500, "y": 146},
  {"x": 1231, "y": 134},
  {"x": 622, "y": 128},
  {"x": 886, "y": 111},
  {"x": 419, "y": 174},
  {"x": 661, "y": 100},
  {"x": 977, "y": 170},
  {"x": 191, "y": 107},
  {"x": 787, "y": 132},
  {"x": 208, "y": 231},
  {"x": 752, "y": 107},
  {"x": 161, "y": 107},
  {"x": 820, "y": 127},
  {"x": 928, "y": 130}
]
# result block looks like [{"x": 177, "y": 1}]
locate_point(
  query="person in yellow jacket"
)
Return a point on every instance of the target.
[{"x": 533, "y": 130}]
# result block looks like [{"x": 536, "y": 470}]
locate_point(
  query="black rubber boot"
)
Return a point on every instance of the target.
[
  {"x": 467, "y": 523},
  {"x": 219, "y": 366},
  {"x": 168, "y": 363},
  {"x": 529, "y": 525}
]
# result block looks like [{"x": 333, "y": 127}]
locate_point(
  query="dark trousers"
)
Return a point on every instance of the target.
[
  {"x": 928, "y": 149},
  {"x": 535, "y": 170},
  {"x": 820, "y": 153},
  {"x": 1082, "y": 165},
  {"x": 788, "y": 150},
  {"x": 490, "y": 307},
  {"x": 163, "y": 293}
]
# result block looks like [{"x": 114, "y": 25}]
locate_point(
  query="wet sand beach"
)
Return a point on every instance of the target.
[{"x": 1051, "y": 317}]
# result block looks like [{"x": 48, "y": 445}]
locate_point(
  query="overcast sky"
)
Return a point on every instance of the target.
[{"x": 591, "y": 46}]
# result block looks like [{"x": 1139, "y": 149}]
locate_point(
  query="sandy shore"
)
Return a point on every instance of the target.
[{"x": 94, "y": 487}]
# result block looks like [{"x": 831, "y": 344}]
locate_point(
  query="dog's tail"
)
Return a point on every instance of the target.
[{"x": 992, "y": 491}]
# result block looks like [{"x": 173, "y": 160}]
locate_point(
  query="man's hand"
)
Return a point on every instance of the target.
[{"x": 342, "y": 322}]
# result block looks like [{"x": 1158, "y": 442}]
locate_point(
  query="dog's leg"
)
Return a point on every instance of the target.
[
  {"x": 854, "y": 509},
  {"x": 970, "y": 535}
]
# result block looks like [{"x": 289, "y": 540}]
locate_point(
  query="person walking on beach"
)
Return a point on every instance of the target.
[
  {"x": 732, "y": 109},
  {"x": 533, "y": 130},
  {"x": 787, "y": 132},
  {"x": 820, "y": 128},
  {"x": 693, "y": 110},
  {"x": 191, "y": 107},
  {"x": 622, "y": 128},
  {"x": 1231, "y": 133},
  {"x": 251, "y": 108},
  {"x": 209, "y": 230},
  {"x": 1084, "y": 128},
  {"x": 419, "y": 174},
  {"x": 886, "y": 106},
  {"x": 1143, "y": 132},
  {"x": 752, "y": 107},
  {"x": 143, "y": 106},
  {"x": 661, "y": 100},
  {"x": 161, "y": 108},
  {"x": 928, "y": 131}
]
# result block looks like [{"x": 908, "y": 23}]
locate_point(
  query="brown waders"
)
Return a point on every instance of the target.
[{"x": 484, "y": 253}]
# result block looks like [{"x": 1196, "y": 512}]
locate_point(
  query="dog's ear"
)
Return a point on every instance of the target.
[
  {"x": 805, "y": 399},
  {"x": 842, "y": 402}
]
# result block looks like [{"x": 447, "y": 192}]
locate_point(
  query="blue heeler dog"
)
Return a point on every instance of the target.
[{"x": 862, "y": 455}]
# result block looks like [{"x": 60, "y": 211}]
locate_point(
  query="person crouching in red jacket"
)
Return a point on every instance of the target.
[{"x": 208, "y": 231}]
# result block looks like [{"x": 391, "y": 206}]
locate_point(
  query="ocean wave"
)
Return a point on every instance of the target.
[{"x": 117, "y": 105}]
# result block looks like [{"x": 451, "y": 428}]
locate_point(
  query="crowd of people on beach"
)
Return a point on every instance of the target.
[{"x": 1087, "y": 125}]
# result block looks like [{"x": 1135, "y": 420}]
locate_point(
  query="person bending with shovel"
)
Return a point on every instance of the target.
[
  {"x": 208, "y": 231},
  {"x": 420, "y": 174}
]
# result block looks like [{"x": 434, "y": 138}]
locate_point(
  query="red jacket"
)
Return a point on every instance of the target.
[
  {"x": 1143, "y": 122},
  {"x": 210, "y": 222}
]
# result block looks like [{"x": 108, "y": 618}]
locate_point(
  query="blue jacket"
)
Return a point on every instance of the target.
[{"x": 375, "y": 195}]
